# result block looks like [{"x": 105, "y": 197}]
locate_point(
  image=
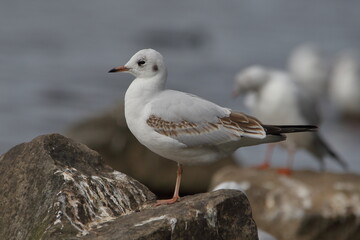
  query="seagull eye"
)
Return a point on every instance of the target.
[{"x": 141, "y": 62}]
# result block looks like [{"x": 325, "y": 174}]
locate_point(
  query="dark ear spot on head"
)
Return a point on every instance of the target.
[{"x": 155, "y": 68}]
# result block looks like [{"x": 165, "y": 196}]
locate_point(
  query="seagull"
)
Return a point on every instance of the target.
[
  {"x": 183, "y": 127},
  {"x": 308, "y": 65},
  {"x": 273, "y": 96},
  {"x": 344, "y": 89}
]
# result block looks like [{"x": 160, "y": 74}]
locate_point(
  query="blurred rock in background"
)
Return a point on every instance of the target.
[
  {"x": 109, "y": 135},
  {"x": 305, "y": 206}
]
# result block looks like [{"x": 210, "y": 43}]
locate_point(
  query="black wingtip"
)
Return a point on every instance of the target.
[{"x": 278, "y": 129}]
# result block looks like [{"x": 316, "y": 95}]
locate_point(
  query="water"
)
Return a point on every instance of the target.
[{"x": 54, "y": 56}]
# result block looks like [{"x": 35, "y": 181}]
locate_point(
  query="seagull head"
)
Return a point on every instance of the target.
[
  {"x": 250, "y": 79},
  {"x": 146, "y": 63}
]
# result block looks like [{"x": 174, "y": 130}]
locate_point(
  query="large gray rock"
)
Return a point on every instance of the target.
[
  {"x": 109, "y": 135},
  {"x": 305, "y": 206},
  {"x": 55, "y": 188},
  {"x": 224, "y": 214}
]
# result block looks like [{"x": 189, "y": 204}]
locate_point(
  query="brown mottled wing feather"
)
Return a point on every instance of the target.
[
  {"x": 248, "y": 124},
  {"x": 173, "y": 129},
  {"x": 225, "y": 129}
]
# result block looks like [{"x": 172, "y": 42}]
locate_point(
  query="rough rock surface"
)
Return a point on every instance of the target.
[
  {"x": 223, "y": 214},
  {"x": 54, "y": 188},
  {"x": 305, "y": 206},
  {"x": 108, "y": 134}
]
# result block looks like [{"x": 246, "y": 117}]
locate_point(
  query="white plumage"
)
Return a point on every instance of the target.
[
  {"x": 147, "y": 96},
  {"x": 308, "y": 65},
  {"x": 344, "y": 89},
  {"x": 183, "y": 127},
  {"x": 274, "y": 97}
]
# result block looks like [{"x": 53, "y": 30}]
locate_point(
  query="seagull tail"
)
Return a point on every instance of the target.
[
  {"x": 334, "y": 155},
  {"x": 279, "y": 129}
]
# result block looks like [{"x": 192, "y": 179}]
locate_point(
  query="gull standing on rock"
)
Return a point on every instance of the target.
[
  {"x": 274, "y": 97},
  {"x": 183, "y": 127}
]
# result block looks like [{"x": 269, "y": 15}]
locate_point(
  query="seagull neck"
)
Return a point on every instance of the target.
[{"x": 146, "y": 88}]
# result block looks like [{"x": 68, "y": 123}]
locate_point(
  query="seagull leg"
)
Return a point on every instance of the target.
[
  {"x": 177, "y": 188},
  {"x": 287, "y": 171},
  {"x": 267, "y": 160}
]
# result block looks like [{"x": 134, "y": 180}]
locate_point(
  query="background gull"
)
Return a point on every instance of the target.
[
  {"x": 344, "y": 89},
  {"x": 273, "y": 96},
  {"x": 309, "y": 66},
  {"x": 183, "y": 127}
]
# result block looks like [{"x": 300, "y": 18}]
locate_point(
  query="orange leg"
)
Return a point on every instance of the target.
[
  {"x": 176, "y": 192},
  {"x": 267, "y": 160},
  {"x": 288, "y": 170}
]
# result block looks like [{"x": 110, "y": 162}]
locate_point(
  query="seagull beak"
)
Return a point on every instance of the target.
[{"x": 119, "y": 69}]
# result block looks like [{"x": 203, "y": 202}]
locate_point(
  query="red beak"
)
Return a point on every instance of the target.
[{"x": 119, "y": 69}]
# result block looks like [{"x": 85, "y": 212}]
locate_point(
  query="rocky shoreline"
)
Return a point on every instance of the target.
[{"x": 56, "y": 188}]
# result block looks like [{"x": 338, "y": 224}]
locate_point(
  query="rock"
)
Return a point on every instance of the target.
[
  {"x": 108, "y": 134},
  {"x": 224, "y": 214},
  {"x": 54, "y": 188},
  {"x": 305, "y": 206},
  {"x": 264, "y": 235}
]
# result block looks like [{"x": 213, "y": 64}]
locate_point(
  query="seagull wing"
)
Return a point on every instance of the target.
[{"x": 194, "y": 121}]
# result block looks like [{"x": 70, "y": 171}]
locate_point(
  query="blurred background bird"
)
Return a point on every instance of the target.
[
  {"x": 344, "y": 89},
  {"x": 309, "y": 66},
  {"x": 273, "y": 96}
]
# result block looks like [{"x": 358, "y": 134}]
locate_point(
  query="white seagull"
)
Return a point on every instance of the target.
[
  {"x": 183, "y": 127},
  {"x": 308, "y": 65},
  {"x": 274, "y": 97},
  {"x": 344, "y": 89}
]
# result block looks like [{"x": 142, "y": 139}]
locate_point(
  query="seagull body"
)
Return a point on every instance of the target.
[
  {"x": 183, "y": 127},
  {"x": 308, "y": 65},
  {"x": 168, "y": 123},
  {"x": 274, "y": 97},
  {"x": 344, "y": 89}
]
